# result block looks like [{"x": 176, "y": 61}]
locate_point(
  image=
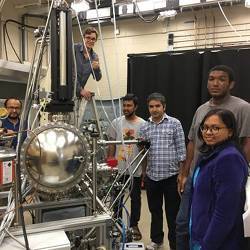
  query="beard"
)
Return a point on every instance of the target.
[
  {"x": 128, "y": 115},
  {"x": 13, "y": 116}
]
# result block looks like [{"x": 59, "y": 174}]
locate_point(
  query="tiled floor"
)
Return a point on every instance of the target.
[{"x": 145, "y": 222}]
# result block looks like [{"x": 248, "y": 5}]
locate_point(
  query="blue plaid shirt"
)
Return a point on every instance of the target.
[{"x": 167, "y": 147}]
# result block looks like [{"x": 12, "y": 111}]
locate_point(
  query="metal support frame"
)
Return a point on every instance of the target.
[
  {"x": 93, "y": 102},
  {"x": 94, "y": 169},
  {"x": 101, "y": 221},
  {"x": 128, "y": 180}
]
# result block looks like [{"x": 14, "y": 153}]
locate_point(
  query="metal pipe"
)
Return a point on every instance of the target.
[
  {"x": 23, "y": 49},
  {"x": 128, "y": 180},
  {"x": 24, "y": 40},
  {"x": 213, "y": 47},
  {"x": 182, "y": 30},
  {"x": 93, "y": 102},
  {"x": 118, "y": 176},
  {"x": 2, "y": 4},
  {"x": 94, "y": 169},
  {"x": 90, "y": 191},
  {"x": 202, "y": 39},
  {"x": 1, "y": 33},
  {"x": 67, "y": 224},
  {"x": 101, "y": 205},
  {"x": 103, "y": 142}
]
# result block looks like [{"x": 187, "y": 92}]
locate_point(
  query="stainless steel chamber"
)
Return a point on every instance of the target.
[{"x": 55, "y": 157}]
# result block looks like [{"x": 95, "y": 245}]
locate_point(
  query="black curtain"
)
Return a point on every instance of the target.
[{"x": 182, "y": 78}]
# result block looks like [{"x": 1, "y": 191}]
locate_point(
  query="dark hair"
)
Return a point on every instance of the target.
[
  {"x": 228, "y": 118},
  {"x": 225, "y": 69},
  {"x": 158, "y": 97},
  {"x": 12, "y": 98},
  {"x": 131, "y": 97},
  {"x": 90, "y": 30}
]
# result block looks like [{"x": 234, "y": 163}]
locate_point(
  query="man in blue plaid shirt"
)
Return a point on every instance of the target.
[{"x": 166, "y": 155}]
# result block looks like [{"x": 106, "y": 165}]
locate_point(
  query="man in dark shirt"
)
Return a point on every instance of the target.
[
  {"x": 87, "y": 62},
  {"x": 12, "y": 122}
]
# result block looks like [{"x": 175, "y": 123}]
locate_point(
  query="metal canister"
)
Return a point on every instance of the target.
[{"x": 7, "y": 165}]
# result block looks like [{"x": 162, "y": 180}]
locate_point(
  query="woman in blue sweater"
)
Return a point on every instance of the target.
[{"x": 219, "y": 181}]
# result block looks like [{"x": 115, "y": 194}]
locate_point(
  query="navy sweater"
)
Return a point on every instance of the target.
[{"x": 218, "y": 200}]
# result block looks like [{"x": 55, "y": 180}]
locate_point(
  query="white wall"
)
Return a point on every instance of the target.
[{"x": 191, "y": 29}]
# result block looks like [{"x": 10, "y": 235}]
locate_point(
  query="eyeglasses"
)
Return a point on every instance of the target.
[
  {"x": 12, "y": 108},
  {"x": 212, "y": 129},
  {"x": 90, "y": 38}
]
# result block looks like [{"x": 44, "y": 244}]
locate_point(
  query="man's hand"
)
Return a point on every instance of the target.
[
  {"x": 95, "y": 64},
  {"x": 143, "y": 175},
  {"x": 185, "y": 168},
  {"x": 10, "y": 132},
  {"x": 181, "y": 181},
  {"x": 86, "y": 94}
]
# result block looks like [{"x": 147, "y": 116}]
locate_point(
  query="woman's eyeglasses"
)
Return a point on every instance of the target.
[{"x": 212, "y": 129}]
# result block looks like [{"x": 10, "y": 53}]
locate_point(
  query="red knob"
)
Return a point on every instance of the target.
[{"x": 112, "y": 162}]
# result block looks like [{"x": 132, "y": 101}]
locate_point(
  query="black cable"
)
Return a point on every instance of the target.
[
  {"x": 4, "y": 43},
  {"x": 18, "y": 172},
  {"x": 11, "y": 44},
  {"x": 31, "y": 212},
  {"x": 5, "y": 32},
  {"x": 141, "y": 16},
  {"x": 22, "y": 24},
  {"x": 147, "y": 20}
]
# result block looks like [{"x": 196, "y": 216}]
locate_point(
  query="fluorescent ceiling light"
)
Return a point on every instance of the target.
[
  {"x": 216, "y": 1},
  {"x": 188, "y": 2},
  {"x": 150, "y": 5},
  {"x": 96, "y": 21},
  {"x": 160, "y": 4},
  {"x": 79, "y": 6},
  {"x": 247, "y": 3},
  {"x": 102, "y": 13},
  {"x": 168, "y": 13},
  {"x": 144, "y": 6}
]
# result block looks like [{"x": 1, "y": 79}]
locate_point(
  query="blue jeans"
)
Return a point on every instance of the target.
[{"x": 182, "y": 219}]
